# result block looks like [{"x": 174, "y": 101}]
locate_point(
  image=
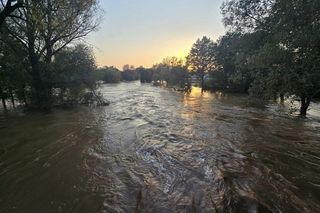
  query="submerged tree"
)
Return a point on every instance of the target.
[
  {"x": 234, "y": 55},
  {"x": 202, "y": 58},
  {"x": 173, "y": 71},
  {"x": 129, "y": 73},
  {"x": 73, "y": 74},
  {"x": 43, "y": 29},
  {"x": 293, "y": 29},
  {"x": 108, "y": 75},
  {"x": 145, "y": 74}
]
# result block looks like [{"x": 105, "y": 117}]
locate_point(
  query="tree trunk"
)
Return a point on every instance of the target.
[
  {"x": 305, "y": 103},
  {"x": 4, "y": 103},
  {"x": 3, "y": 99},
  {"x": 41, "y": 95},
  {"x": 281, "y": 97},
  {"x": 61, "y": 95},
  {"x": 202, "y": 82},
  {"x": 24, "y": 97},
  {"x": 36, "y": 80},
  {"x": 12, "y": 97}
]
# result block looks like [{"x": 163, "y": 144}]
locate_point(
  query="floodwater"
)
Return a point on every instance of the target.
[{"x": 156, "y": 150}]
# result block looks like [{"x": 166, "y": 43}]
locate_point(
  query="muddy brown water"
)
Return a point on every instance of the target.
[{"x": 156, "y": 150}]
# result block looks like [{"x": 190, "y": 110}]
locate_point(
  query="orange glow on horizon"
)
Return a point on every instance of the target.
[
  {"x": 146, "y": 32},
  {"x": 146, "y": 58}
]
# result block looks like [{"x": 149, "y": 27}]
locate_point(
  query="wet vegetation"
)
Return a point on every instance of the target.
[
  {"x": 271, "y": 50},
  {"x": 171, "y": 72},
  {"x": 41, "y": 63}
]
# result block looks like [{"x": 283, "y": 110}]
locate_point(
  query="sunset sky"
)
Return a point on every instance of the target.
[{"x": 143, "y": 32}]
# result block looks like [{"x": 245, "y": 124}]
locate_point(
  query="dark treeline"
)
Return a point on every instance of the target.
[
  {"x": 108, "y": 75},
  {"x": 171, "y": 71},
  {"x": 271, "y": 50},
  {"x": 41, "y": 63},
  {"x": 114, "y": 75}
]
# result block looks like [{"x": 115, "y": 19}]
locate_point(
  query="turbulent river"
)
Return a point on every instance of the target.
[{"x": 157, "y": 150}]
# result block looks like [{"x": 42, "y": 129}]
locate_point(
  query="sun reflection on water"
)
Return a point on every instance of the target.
[{"x": 196, "y": 102}]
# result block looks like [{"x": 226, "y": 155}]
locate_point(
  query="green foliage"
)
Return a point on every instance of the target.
[
  {"x": 173, "y": 71},
  {"x": 73, "y": 74},
  {"x": 202, "y": 57},
  {"x": 234, "y": 54},
  {"x": 216, "y": 80},
  {"x": 108, "y": 75},
  {"x": 14, "y": 79},
  {"x": 247, "y": 15},
  {"x": 287, "y": 60},
  {"x": 43, "y": 30}
]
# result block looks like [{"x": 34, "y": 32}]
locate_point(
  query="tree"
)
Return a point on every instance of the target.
[
  {"x": 293, "y": 34},
  {"x": 297, "y": 32},
  {"x": 109, "y": 74},
  {"x": 145, "y": 74},
  {"x": 7, "y": 8},
  {"x": 269, "y": 70},
  {"x": 202, "y": 58},
  {"x": 234, "y": 54},
  {"x": 172, "y": 70},
  {"x": 46, "y": 28},
  {"x": 129, "y": 73},
  {"x": 74, "y": 74},
  {"x": 13, "y": 76},
  {"x": 172, "y": 62},
  {"x": 247, "y": 16}
]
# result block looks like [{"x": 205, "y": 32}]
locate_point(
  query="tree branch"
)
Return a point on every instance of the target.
[{"x": 8, "y": 9}]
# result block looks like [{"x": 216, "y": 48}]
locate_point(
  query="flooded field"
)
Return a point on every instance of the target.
[{"x": 156, "y": 150}]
